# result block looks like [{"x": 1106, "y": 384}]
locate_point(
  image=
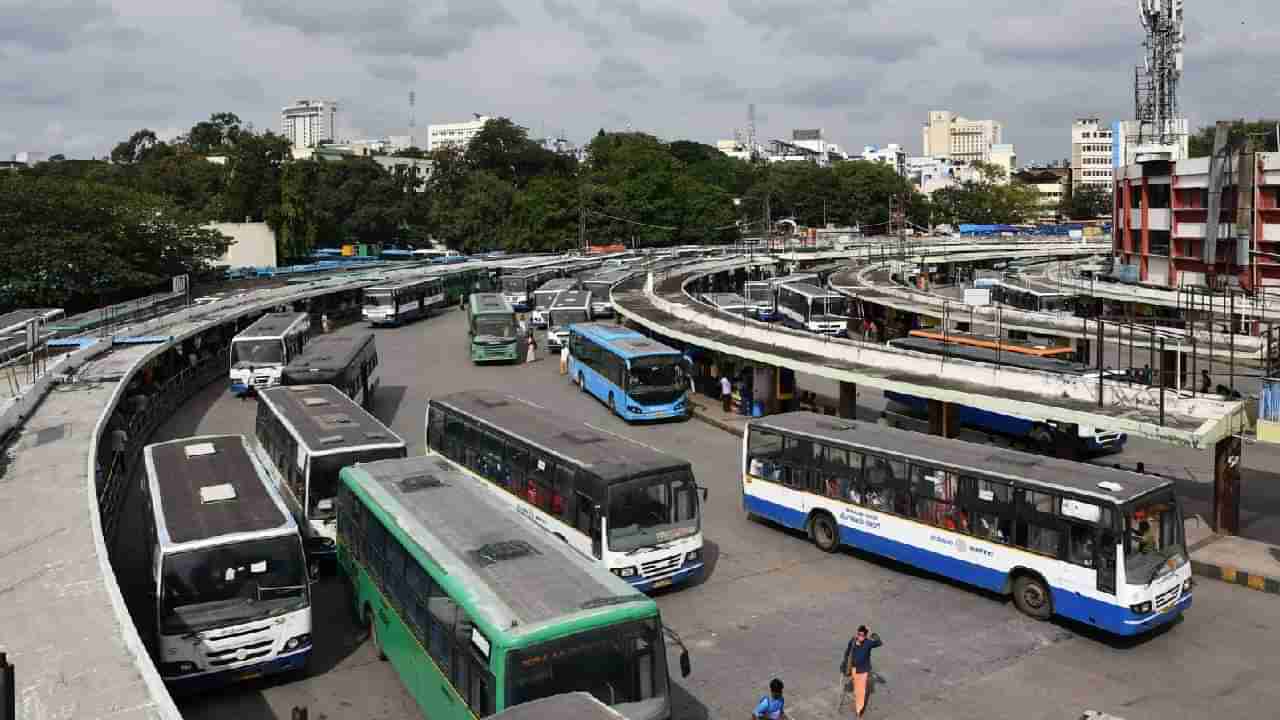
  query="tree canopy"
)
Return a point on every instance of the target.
[{"x": 1263, "y": 133}]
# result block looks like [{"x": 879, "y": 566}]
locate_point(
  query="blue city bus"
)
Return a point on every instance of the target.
[{"x": 636, "y": 376}]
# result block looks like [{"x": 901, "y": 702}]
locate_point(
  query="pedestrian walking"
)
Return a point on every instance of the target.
[
  {"x": 857, "y": 662},
  {"x": 533, "y": 348},
  {"x": 564, "y": 359},
  {"x": 726, "y": 392},
  {"x": 326, "y": 326},
  {"x": 1206, "y": 383},
  {"x": 773, "y": 705}
]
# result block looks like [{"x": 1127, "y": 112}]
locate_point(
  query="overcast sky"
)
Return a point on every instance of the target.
[{"x": 77, "y": 76}]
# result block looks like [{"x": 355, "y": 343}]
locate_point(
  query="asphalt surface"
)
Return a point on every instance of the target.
[{"x": 773, "y": 605}]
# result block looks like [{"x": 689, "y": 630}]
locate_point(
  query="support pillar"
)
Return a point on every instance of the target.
[
  {"x": 848, "y": 400},
  {"x": 944, "y": 419},
  {"x": 1226, "y": 485}
]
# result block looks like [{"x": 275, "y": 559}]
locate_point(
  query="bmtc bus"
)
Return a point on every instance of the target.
[
  {"x": 636, "y": 376},
  {"x": 347, "y": 362},
  {"x": 492, "y": 327},
  {"x": 1100, "y": 546},
  {"x": 228, "y": 576},
  {"x": 545, "y": 296},
  {"x": 762, "y": 295},
  {"x": 517, "y": 288},
  {"x": 404, "y": 301},
  {"x": 809, "y": 307},
  {"x": 601, "y": 285},
  {"x": 478, "y": 610},
  {"x": 627, "y": 506},
  {"x": 260, "y": 351},
  {"x": 310, "y": 432},
  {"x": 570, "y": 308}
]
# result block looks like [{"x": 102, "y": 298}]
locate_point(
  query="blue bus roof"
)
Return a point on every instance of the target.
[{"x": 627, "y": 344}]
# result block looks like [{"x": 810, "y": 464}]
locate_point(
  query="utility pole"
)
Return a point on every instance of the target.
[{"x": 582, "y": 222}]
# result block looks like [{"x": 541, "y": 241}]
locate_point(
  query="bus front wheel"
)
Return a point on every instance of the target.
[
  {"x": 1032, "y": 598},
  {"x": 826, "y": 535},
  {"x": 612, "y": 407},
  {"x": 371, "y": 618}
]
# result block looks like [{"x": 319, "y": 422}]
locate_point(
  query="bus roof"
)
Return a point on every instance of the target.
[
  {"x": 329, "y": 353},
  {"x": 784, "y": 279},
  {"x": 1031, "y": 291},
  {"x": 722, "y": 300},
  {"x": 518, "y": 575},
  {"x": 273, "y": 325},
  {"x": 210, "y": 486},
  {"x": 627, "y": 343},
  {"x": 489, "y": 304},
  {"x": 325, "y": 421},
  {"x": 608, "y": 276},
  {"x": 555, "y": 285},
  {"x": 1080, "y": 478},
  {"x": 612, "y": 458},
  {"x": 575, "y": 299},
  {"x": 576, "y": 705},
  {"x": 809, "y": 290},
  {"x": 405, "y": 284},
  {"x": 980, "y": 354}
]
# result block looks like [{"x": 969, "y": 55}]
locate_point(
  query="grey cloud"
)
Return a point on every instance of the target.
[
  {"x": 616, "y": 73},
  {"x": 714, "y": 88},
  {"x": 242, "y": 88},
  {"x": 389, "y": 27},
  {"x": 662, "y": 23},
  {"x": 562, "y": 81},
  {"x": 1093, "y": 42},
  {"x": 881, "y": 46},
  {"x": 51, "y": 26},
  {"x": 832, "y": 92},
  {"x": 400, "y": 72},
  {"x": 565, "y": 12},
  {"x": 775, "y": 14}
]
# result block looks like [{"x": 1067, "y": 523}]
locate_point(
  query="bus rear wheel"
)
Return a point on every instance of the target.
[
  {"x": 373, "y": 635},
  {"x": 582, "y": 383},
  {"x": 826, "y": 535},
  {"x": 612, "y": 407},
  {"x": 1031, "y": 596}
]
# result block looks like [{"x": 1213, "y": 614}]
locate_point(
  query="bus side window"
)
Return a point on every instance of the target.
[
  {"x": 990, "y": 506},
  {"x": 419, "y": 584},
  {"x": 435, "y": 429},
  {"x": 562, "y": 493},
  {"x": 376, "y": 562},
  {"x": 763, "y": 452},
  {"x": 442, "y": 609},
  {"x": 518, "y": 459},
  {"x": 886, "y": 484},
  {"x": 393, "y": 580},
  {"x": 1037, "y": 529},
  {"x": 1105, "y": 559}
]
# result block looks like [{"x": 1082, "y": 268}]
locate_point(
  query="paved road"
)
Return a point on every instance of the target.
[{"x": 773, "y": 605}]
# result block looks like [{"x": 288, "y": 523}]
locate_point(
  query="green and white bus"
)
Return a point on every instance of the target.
[
  {"x": 492, "y": 325},
  {"x": 478, "y": 610}
]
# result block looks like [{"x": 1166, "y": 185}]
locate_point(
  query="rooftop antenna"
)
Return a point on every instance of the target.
[
  {"x": 751, "y": 131},
  {"x": 1155, "y": 84},
  {"x": 412, "y": 121}
]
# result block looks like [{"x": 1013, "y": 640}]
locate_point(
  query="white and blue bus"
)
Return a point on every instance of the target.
[
  {"x": 762, "y": 295},
  {"x": 260, "y": 351},
  {"x": 1100, "y": 546},
  {"x": 809, "y": 307},
  {"x": 636, "y": 376},
  {"x": 400, "y": 302}
]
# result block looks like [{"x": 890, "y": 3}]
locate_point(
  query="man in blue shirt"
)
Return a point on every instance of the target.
[
  {"x": 771, "y": 706},
  {"x": 858, "y": 662}
]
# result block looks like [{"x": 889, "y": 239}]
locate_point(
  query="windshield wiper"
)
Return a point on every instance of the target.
[{"x": 629, "y": 553}]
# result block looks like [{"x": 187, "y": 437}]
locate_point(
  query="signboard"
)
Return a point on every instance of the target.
[
  {"x": 181, "y": 283},
  {"x": 1080, "y": 510},
  {"x": 977, "y": 296}
]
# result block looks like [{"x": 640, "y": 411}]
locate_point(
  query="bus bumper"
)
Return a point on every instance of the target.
[
  {"x": 676, "y": 410},
  {"x": 1147, "y": 623},
  {"x": 205, "y": 681},
  {"x": 241, "y": 389},
  {"x": 687, "y": 573}
]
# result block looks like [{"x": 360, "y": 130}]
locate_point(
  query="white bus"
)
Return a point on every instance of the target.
[
  {"x": 260, "y": 351},
  {"x": 571, "y": 306},
  {"x": 229, "y": 577},
  {"x": 809, "y": 307},
  {"x": 401, "y": 302},
  {"x": 632, "y": 508},
  {"x": 1101, "y": 546},
  {"x": 728, "y": 302},
  {"x": 544, "y": 296},
  {"x": 601, "y": 285},
  {"x": 310, "y": 432},
  {"x": 762, "y": 295}
]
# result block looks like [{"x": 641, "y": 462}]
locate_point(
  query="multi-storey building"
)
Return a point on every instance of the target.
[
  {"x": 308, "y": 123},
  {"x": 892, "y": 155},
  {"x": 1092, "y": 153},
  {"x": 1161, "y": 209},
  {"x": 947, "y": 135},
  {"x": 441, "y": 135},
  {"x": 1053, "y": 184}
]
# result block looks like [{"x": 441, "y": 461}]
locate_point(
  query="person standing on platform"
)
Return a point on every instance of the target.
[
  {"x": 533, "y": 348},
  {"x": 564, "y": 359},
  {"x": 726, "y": 393}
]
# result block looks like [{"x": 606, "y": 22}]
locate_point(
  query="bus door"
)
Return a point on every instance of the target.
[
  {"x": 587, "y": 520},
  {"x": 797, "y": 466}
]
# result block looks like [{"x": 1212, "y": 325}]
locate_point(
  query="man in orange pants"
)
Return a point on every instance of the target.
[{"x": 858, "y": 659}]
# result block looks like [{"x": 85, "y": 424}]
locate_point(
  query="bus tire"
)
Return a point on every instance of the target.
[
  {"x": 825, "y": 532},
  {"x": 1032, "y": 597},
  {"x": 582, "y": 383},
  {"x": 371, "y": 619},
  {"x": 613, "y": 408},
  {"x": 1042, "y": 440}
]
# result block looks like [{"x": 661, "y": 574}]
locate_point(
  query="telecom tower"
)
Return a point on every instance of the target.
[{"x": 1158, "y": 129}]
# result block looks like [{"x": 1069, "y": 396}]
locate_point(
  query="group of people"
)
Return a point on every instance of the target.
[{"x": 855, "y": 679}]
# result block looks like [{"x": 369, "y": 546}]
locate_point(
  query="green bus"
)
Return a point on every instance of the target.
[
  {"x": 478, "y": 609},
  {"x": 460, "y": 282},
  {"x": 492, "y": 325}
]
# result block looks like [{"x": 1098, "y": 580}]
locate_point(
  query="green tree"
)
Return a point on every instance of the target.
[
  {"x": 1263, "y": 132},
  {"x": 136, "y": 148},
  {"x": 1086, "y": 202},
  {"x": 212, "y": 135},
  {"x": 254, "y": 166},
  {"x": 412, "y": 151}
]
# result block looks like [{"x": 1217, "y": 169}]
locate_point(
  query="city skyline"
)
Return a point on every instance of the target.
[{"x": 865, "y": 73}]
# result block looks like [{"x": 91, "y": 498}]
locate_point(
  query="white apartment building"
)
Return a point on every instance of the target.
[
  {"x": 1003, "y": 156},
  {"x": 948, "y": 135},
  {"x": 891, "y": 154},
  {"x": 442, "y": 135},
  {"x": 1092, "y": 153},
  {"x": 308, "y": 123}
]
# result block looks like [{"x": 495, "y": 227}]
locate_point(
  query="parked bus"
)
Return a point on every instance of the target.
[
  {"x": 636, "y": 376},
  {"x": 310, "y": 432},
  {"x": 462, "y": 282},
  {"x": 809, "y": 307},
  {"x": 348, "y": 362},
  {"x": 631, "y": 508},
  {"x": 1030, "y": 300},
  {"x": 570, "y": 307},
  {"x": 762, "y": 295},
  {"x": 1101, "y": 546},
  {"x": 576, "y": 705},
  {"x": 228, "y": 573},
  {"x": 728, "y": 302},
  {"x": 601, "y": 285},
  {"x": 518, "y": 288},
  {"x": 478, "y": 610},
  {"x": 491, "y": 323},
  {"x": 260, "y": 351},
  {"x": 544, "y": 296},
  {"x": 1005, "y": 345},
  {"x": 401, "y": 302}
]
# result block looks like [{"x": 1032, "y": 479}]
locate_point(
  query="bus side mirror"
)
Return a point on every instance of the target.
[{"x": 685, "y": 666}]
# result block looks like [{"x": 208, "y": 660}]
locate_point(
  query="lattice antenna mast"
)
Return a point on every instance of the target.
[
  {"x": 1155, "y": 86},
  {"x": 751, "y": 131},
  {"x": 412, "y": 119}
]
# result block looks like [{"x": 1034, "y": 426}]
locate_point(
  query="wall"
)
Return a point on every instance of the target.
[{"x": 252, "y": 244}]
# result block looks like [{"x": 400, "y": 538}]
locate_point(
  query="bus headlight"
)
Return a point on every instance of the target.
[
  {"x": 294, "y": 643},
  {"x": 693, "y": 556},
  {"x": 1141, "y": 608},
  {"x": 633, "y": 408},
  {"x": 1187, "y": 585},
  {"x": 625, "y": 572}
]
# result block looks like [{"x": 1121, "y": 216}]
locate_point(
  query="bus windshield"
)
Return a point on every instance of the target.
[
  {"x": 231, "y": 584},
  {"x": 374, "y": 300},
  {"x": 652, "y": 510},
  {"x": 621, "y": 665},
  {"x": 831, "y": 306},
  {"x": 501, "y": 326},
  {"x": 513, "y": 284},
  {"x": 323, "y": 479},
  {"x": 656, "y": 380},
  {"x": 563, "y": 318},
  {"x": 257, "y": 352},
  {"x": 1153, "y": 539}
]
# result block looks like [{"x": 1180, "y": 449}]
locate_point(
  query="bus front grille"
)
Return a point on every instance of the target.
[
  {"x": 1166, "y": 598},
  {"x": 661, "y": 567},
  {"x": 242, "y": 653}
]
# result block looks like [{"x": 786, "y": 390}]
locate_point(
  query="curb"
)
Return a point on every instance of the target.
[
  {"x": 715, "y": 422},
  {"x": 1235, "y": 576}
]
